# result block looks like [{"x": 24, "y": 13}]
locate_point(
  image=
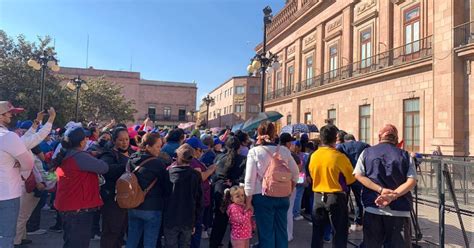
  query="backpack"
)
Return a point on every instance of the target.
[
  {"x": 277, "y": 177},
  {"x": 128, "y": 192}
]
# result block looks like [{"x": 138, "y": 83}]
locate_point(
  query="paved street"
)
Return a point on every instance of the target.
[{"x": 302, "y": 233}]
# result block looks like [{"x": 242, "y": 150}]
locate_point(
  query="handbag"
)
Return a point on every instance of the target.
[{"x": 30, "y": 183}]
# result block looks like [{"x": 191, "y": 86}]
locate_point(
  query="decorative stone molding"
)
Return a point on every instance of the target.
[
  {"x": 332, "y": 36},
  {"x": 365, "y": 18},
  {"x": 309, "y": 39},
  {"x": 290, "y": 51},
  {"x": 397, "y": 1},
  {"x": 365, "y": 5},
  {"x": 333, "y": 25}
]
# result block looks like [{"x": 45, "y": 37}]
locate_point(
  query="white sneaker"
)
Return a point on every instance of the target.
[
  {"x": 96, "y": 237},
  {"x": 356, "y": 228},
  {"x": 37, "y": 232},
  {"x": 299, "y": 217},
  {"x": 204, "y": 235}
]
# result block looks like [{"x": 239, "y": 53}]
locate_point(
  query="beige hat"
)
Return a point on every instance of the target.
[{"x": 6, "y": 106}]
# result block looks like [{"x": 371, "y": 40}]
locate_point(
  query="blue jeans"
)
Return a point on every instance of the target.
[
  {"x": 9, "y": 210},
  {"x": 298, "y": 198},
  {"x": 196, "y": 237},
  {"x": 270, "y": 215},
  {"x": 143, "y": 221}
]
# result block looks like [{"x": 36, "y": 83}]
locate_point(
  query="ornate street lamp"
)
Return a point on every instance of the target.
[
  {"x": 43, "y": 62},
  {"x": 77, "y": 84},
  {"x": 263, "y": 61},
  {"x": 207, "y": 100}
]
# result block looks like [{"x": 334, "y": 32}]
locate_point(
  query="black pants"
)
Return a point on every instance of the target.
[
  {"x": 386, "y": 231},
  {"x": 77, "y": 229},
  {"x": 114, "y": 225},
  {"x": 219, "y": 225},
  {"x": 178, "y": 237},
  {"x": 330, "y": 208},
  {"x": 356, "y": 189}
]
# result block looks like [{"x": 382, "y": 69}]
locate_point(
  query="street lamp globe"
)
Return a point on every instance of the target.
[
  {"x": 71, "y": 86},
  {"x": 84, "y": 86},
  {"x": 256, "y": 64},
  {"x": 275, "y": 65}
]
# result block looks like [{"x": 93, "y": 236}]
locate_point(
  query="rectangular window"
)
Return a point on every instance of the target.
[
  {"x": 290, "y": 80},
  {"x": 411, "y": 124},
  {"x": 279, "y": 81},
  {"x": 365, "y": 48},
  {"x": 239, "y": 90},
  {"x": 364, "y": 123},
  {"x": 167, "y": 113},
  {"x": 333, "y": 61},
  {"x": 288, "y": 120},
  {"x": 230, "y": 91},
  {"x": 308, "y": 118},
  {"x": 239, "y": 108},
  {"x": 152, "y": 113},
  {"x": 412, "y": 29},
  {"x": 309, "y": 70},
  {"x": 230, "y": 109},
  {"x": 269, "y": 86},
  {"x": 182, "y": 115},
  {"x": 254, "y": 109},
  {"x": 331, "y": 117},
  {"x": 253, "y": 89}
]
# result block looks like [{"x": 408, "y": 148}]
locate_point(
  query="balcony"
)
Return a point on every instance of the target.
[
  {"x": 464, "y": 39},
  {"x": 173, "y": 118},
  {"x": 405, "y": 54}
]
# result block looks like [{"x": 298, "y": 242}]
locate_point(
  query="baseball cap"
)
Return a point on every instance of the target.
[
  {"x": 76, "y": 134},
  {"x": 6, "y": 106},
  {"x": 218, "y": 141},
  {"x": 196, "y": 143},
  {"x": 285, "y": 138},
  {"x": 72, "y": 124},
  {"x": 25, "y": 124},
  {"x": 296, "y": 143}
]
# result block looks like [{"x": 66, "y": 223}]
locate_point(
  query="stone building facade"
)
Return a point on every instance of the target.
[
  {"x": 235, "y": 101},
  {"x": 168, "y": 103},
  {"x": 363, "y": 63}
]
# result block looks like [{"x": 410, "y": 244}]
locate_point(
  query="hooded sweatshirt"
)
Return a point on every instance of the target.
[{"x": 184, "y": 202}]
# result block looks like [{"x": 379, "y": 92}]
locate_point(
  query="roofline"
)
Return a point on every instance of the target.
[
  {"x": 106, "y": 72},
  {"x": 235, "y": 77},
  {"x": 167, "y": 83}
]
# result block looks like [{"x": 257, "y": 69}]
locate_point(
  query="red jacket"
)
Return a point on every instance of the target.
[{"x": 78, "y": 182}]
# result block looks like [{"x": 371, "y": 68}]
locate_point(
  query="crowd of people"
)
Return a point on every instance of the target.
[{"x": 193, "y": 185}]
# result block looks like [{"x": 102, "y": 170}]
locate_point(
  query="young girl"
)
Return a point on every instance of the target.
[{"x": 240, "y": 220}]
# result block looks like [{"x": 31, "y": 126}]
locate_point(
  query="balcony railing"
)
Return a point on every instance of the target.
[
  {"x": 464, "y": 34},
  {"x": 172, "y": 118},
  {"x": 409, "y": 52}
]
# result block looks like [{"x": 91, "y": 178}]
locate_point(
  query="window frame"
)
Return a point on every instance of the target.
[
  {"x": 333, "y": 60},
  {"x": 241, "y": 108},
  {"x": 409, "y": 49},
  {"x": 410, "y": 146},
  {"x": 365, "y": 61},
  {"x": 364, "y": 133},
  {"x": 239, "y": 87},
  {"x": 308, "y": 120},
  {"x": 330, "y": 120},
  {"x": 167, "y": 112},
  {"x": 309, "y": 69}
]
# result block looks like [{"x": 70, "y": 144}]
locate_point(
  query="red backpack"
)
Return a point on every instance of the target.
[{"x": 277, "y": 177}]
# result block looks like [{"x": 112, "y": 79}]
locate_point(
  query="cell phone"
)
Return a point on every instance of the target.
[{"x": 45, "y": 111}]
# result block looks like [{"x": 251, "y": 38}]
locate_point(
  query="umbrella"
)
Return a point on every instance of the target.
[
  {"x": 186, "y": 125},
  {"x": 254, "y": 121},
  {"x": 299, "y": 128},
  {"x": 237, "y": 127}
]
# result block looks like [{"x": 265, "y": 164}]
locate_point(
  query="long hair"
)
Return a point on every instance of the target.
[
  {"x": 266, "y": 133},
  {"x": 227, "y": 198},
  {"x": 232, "y": 144},
  {"x": 66, "y": 144}
]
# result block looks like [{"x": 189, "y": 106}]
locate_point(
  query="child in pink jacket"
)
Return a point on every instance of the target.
[{"x": 239, "y": 218}]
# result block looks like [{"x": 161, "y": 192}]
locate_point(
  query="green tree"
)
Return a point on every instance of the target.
[
  {"x": 20, "y": 84},
  {"x": 104, "y": 101}
]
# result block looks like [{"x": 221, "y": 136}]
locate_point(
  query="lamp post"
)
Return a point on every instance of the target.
[
  {"x": 42, "y": 62},
  {"x": 77, "y": 84},
  {"x": 263, "y": 61},
  {"x": 207, "y": 100},
  {"x": 191, "y": 113}
]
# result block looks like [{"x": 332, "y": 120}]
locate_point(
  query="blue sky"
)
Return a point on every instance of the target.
[{"x": 175, "y": 40}]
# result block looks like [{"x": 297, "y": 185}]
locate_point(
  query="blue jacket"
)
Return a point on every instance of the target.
[
  {"x": 352, "y": 150},
  {"x": 170, "y": 148}
]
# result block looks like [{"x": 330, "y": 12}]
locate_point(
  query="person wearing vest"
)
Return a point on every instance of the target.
[
  {"x": 387, "y": 174},
  {"x": 326, "y": 166},
  {"x": 77, "y": 194},
  {"x": 270, "y": 212}
]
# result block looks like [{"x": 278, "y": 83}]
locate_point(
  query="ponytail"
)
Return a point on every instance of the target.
[{"x": 226, "y": 201}]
